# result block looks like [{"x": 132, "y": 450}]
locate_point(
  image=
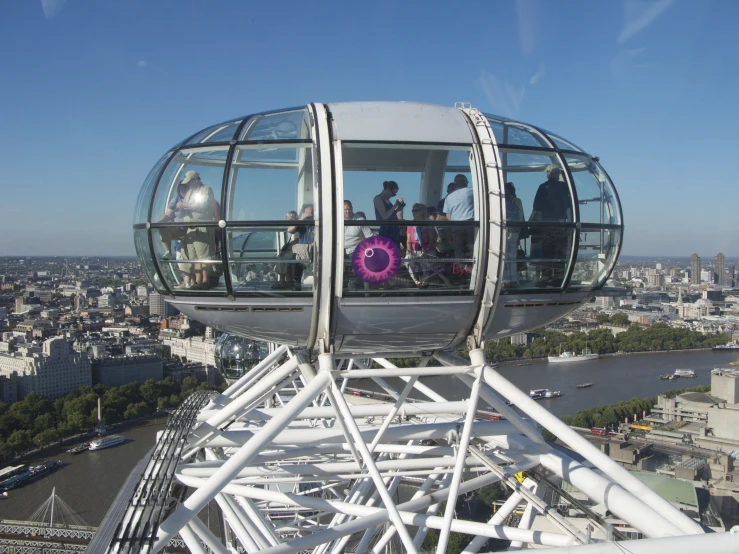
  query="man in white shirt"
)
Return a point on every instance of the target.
[
  {"x": 353, "y": 235},
  {"x": 460, "y": 206}
]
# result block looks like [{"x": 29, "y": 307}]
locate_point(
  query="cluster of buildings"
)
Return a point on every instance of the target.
[{"x": 60, "y": 331}]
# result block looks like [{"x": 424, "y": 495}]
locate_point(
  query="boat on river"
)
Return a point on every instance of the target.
[
  {"x": 31, "y": 474},
  {"x": 106, "y": 442},
  {"x": 728, "y": 346},
  {"x": 666, "y": 376},
  {"x": 684, "y": 373},
  {"x": 83, "y": 446},
  {"x": 584, "y": 385},
  {"x": 566, "y": 357}
]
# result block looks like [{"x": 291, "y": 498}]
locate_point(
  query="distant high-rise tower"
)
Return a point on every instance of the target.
[
  {"x": 695, "y": 269},
  {"x": 718, "y": 267}
]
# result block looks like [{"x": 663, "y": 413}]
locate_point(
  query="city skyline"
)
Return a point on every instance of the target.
[{"x": 111, "y": 88}]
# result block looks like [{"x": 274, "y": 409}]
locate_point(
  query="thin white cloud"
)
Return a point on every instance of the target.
[
  {"x": 52, "y": 7},
  {"x": 526, "y": 15},
  {"x": 638, "y": 15},
  {"x": 538, "y": 75},
  {"x": 145, "y": 64},
  {"x": 504, "y": 97}
]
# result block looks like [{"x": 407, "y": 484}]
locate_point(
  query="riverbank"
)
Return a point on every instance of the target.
[
  {"x": 610, "y": 354},
  {"x": 61, "y": 445}
]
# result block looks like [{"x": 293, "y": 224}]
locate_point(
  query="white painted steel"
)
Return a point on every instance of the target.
[{"x": 318, "y": 471}]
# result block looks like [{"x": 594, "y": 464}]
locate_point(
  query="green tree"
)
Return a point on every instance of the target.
[
  {"x": 620, "y": 320},
  {"x": 19, "y": 440},
  {"x": 46, "y": 437}
]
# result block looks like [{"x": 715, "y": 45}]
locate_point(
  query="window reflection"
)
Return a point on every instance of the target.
[
  {"x": 539, "y": 257},
  {"x": 595, "y": 256},
  {"x": 223, "y": 132},
  {"x": 141, "y": 214},
  {"x": 270, "y": 260},
  {"x": 267, "y": 183},
  {"x": 141, "y": 243},
  {"x": 189, "y": 257},
  {"x": 288, "y": 125},
  {"x": 594, "y": 192}
]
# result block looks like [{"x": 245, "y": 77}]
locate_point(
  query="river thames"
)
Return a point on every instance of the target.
[{"x": 89, "y": 481}]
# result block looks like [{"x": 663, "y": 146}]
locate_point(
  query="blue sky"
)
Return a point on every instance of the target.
[{"x": 94, "y": 92}]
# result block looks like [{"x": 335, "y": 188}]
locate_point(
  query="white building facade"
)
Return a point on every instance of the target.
[{"x": 53, "y": 372}]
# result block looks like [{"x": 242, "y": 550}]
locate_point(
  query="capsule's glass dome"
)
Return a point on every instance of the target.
[
  {"x": 236, "y": 355},
  {"x": 326, "y": 222}
]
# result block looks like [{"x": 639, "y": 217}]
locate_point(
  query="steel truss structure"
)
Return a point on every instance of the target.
[{"x": 296, "y": 466}]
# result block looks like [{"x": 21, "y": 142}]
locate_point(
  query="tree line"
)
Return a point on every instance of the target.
[
  {"x": 613, "y": 414},
  {"x": 38, "y": 421},
  {"x": 658, "y": 336}
]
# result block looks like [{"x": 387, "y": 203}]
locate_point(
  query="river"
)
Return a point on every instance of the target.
[{"x": 89, "y": 481}]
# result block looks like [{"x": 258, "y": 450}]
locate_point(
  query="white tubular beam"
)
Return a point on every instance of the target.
[
  {"x": 420, "y": 387},
  {"x": 190, "y": 508},
  {"x": 602, "y": 491},
  {"x": 489, "y": 395},
  {"x": 386, "y": 387},
  {"x": 210, "y": 540},
  {"x": 527, "y": 519},
  {"x": 376, "y": 477},
  {"x": 459, "y": 467},
  {"x": 254, "y": 373},
  {"x": 715, "y": 543},
  {"x": 191, "y": 540},
  {"x": 393, "y": 411},
  {"x": 239, "y": 527},
  {"x": 405, "y": 432},
  {"x": 498, "y": 518},
  {"x": 254, "y": 393},
  {"x": 430, "y": 510},
  {"x": 358, "y": 410},
  {"x": 616, "y": 473},
  {"x": 257, "y": 519},
  {"x": 402, "y": 372}
]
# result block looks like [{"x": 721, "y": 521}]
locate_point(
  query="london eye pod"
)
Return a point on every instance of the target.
[{"x": 243, "y": 226}]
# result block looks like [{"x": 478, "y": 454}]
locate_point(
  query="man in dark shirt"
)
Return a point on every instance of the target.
[{"x": 552, "y": 202}]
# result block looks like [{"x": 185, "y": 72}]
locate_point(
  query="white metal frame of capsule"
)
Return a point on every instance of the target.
[
  {"x": 314, "y": 471},
  {"x": 344, "y": 151}
]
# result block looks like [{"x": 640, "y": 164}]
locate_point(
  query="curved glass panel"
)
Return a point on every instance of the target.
[
  {"x": 497, "y": 127},
  {"x": 290, "y": 125},
  {"x": 236, "y": 355},
  {"x": 223, "y": 132},
  {"x": 190, "y": 188},
  {"x": 141, "y": 243},
  {"x": 267, "y": 184},
  {"x": 270, "y": 260},
  {"x": 190, "y": 258},
  {"x": 595, "y": 194},
  {"x": 538, "y": 256},
  {"x": 518, "y": 134},
  {"x": 562, "y": 143},
  {"x": 596, "y": 256},
  {"x": 536, "y": 182},
  {"x": 141, "y": 214}
]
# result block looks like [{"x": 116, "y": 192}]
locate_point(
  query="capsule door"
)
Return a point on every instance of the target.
[{"x": 405, "y": 276}]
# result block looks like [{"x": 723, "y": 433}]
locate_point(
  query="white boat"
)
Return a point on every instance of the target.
[
  {"x": 552, "y": 394},
  {"x": 106, "y": 442},
  {"x": 571, "y": 357},
  {"x": 684, "y": 373},
  {"x": 538, "y": 393},
  {"x": 727, "y": 346}
]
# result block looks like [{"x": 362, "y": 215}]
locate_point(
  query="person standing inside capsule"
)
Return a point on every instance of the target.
[
  {"x": 199, "y": 242},
  {"x": 387, "y": 211},
  {"x": 552, "y": 203},
  {"x": 460, "y": 206}
]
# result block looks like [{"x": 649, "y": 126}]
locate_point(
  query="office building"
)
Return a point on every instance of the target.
[
  {"x": 194, "y": 349},
  {"x": 695, "y": 269},
  {"x": 719, "y": 266},
  {"x": 114, "y": 372},
  {"x": 158, "y": 306},
  {"x": 54, "y": 371}
]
